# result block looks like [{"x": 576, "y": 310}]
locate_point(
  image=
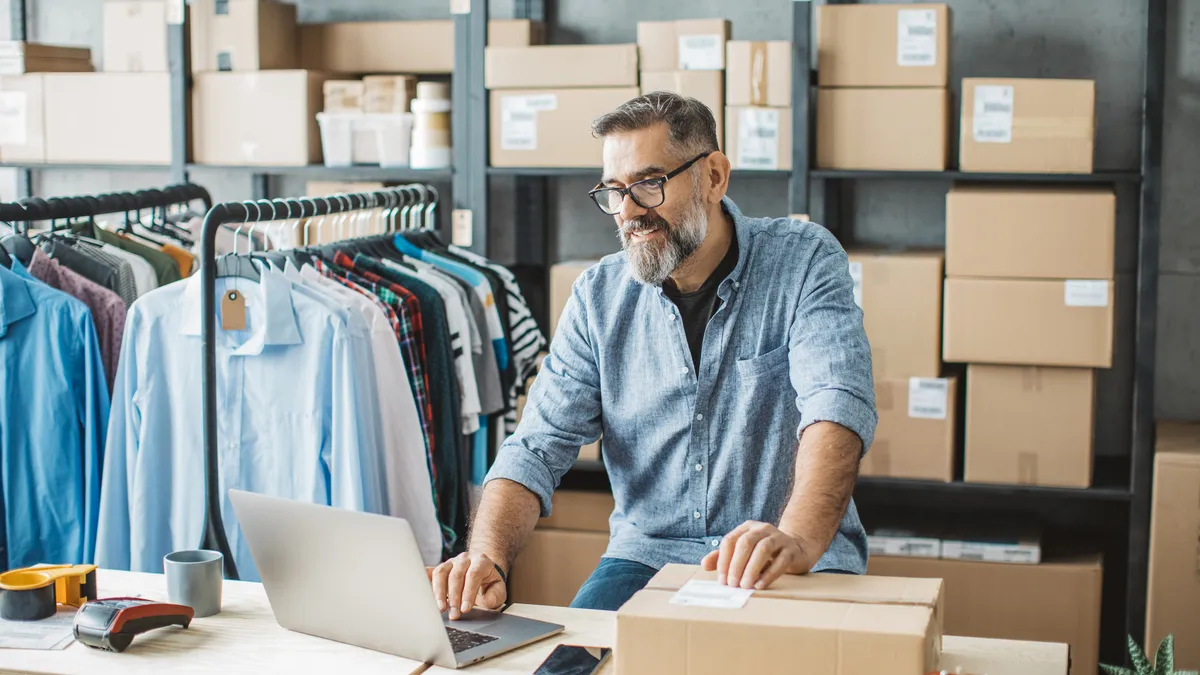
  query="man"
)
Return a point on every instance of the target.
[{"x": 702, "y": 352}]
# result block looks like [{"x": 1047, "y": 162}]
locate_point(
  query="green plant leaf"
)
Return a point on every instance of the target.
[
  {"x": 1164, "y": 660},
  {"x": 1116, "y": 670},
  {"x": 1141, "y": 665}
]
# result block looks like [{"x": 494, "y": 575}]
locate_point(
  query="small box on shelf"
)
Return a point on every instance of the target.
[
  {"x": 883, "y": 129},
  {"x": 550, "y": 127},
  {"x": 885, "y": 45},
  {"x": 108, "y": 130},
  {"x": 1027, "y": 125},
  {"x": 915, "y": 437},
  {"x": 135, "y": 36},
  {"x": 759, "y": 138},
  {"x": 900, "y": 296},
  {"x": 561, "y": 66},
  {"x": 22, "y": 118},
  {"x": 245, "y": 35},
  {"x": 688, "y": 44},
  {"x": 282, "y": 131}
]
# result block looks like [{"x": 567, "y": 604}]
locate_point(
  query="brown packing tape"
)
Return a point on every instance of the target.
[
  {"x": 1027, "y": 468},
  {"x": 758, "y": 73}
]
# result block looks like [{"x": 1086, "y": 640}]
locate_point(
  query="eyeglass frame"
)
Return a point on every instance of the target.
[{"x": 627, "y": 191}]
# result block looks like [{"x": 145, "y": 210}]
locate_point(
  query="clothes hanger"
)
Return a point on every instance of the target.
[
  {"x": 18, "y": 244},
  {"x": 274, "y": 257},
  {"x": 234, "y": 264}
]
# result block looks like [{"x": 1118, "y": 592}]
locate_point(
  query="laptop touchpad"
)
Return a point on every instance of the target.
[{"x": 476, "y": 620}]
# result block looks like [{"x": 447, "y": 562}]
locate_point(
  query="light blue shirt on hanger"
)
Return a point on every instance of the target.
[
  {"x": 53, "y": 410},
  {"x": 289, "y": 420}
]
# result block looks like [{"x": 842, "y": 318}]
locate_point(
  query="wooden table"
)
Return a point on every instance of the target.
[{"x": 244, "y": 638}]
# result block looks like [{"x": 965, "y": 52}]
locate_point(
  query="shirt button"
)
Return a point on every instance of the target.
[
  {"x": 699, "y": 417},
  {"x": 716, "y": 543},
  {"x": 696, "y": 515},
  {"x": 671, "y": 317},
  {"x": 699, "y": 467},
  {"x": 736, "y": 284},
  {"x": 683, "y": 370}
]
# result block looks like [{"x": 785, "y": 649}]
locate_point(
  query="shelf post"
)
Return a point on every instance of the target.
[
  {"x": 801, "y": 105},
  {"x": 19, "y": 30},
  {"x": 180, "y": 68},
  {"x": 469, "y": 123}
]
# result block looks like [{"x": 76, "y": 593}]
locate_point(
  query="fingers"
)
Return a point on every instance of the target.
[
  {"x": 765, "y": 552},
  {"x": 493, "y": 595},
  {"x": 454, "y": 594},
  {"x": 725, "y": 553},
  {"x": 439, "y": 576},
  {"x": 477, "y": 573},
  {"x": 775, "y": 570},
  {"x": 709, "y": 562},
  {"x": 741, "y": 554}
]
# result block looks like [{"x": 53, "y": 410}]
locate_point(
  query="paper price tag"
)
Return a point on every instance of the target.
[
  {"x": 928, "y": 397},
  {"x": 699, "y": 593},
  {"x": 856, "y": 277},
  {"x": 1085, "y": 293},
  {"x": 993, "y": 120},
  {"x": 758, "y": 139},
  {"x": 14, "y": 118},
  {"x": 916, "y": 37},
  {"x": 462, "y": 228},
  {"x": 701, "y": 52},
  {"x": 233, "y": 311}
]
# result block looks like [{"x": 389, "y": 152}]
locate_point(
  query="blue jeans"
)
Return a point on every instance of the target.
[{"x": 612, "y": 584}]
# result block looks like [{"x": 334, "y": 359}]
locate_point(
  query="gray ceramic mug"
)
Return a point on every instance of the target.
[{"x": 194, "y": 580}]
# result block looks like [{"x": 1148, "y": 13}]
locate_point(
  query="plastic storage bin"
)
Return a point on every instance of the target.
[{"x": 381, "y": 139}]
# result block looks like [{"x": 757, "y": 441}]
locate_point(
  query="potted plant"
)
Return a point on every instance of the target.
[{"x": 1164, "y": 661}]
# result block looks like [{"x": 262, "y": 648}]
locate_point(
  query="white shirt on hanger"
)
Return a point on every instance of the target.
[{"x": 144, "y": 277}]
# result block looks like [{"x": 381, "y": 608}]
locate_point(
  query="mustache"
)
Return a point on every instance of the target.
[{"x": 644, "y": 224}]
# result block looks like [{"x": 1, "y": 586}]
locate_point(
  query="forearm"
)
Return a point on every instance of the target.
[
  {"x": 826, "y": 468},
  {"x": 507, "y": 514}
]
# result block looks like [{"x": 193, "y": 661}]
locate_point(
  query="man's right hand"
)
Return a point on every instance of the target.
[{"x": 467, "y": 580}]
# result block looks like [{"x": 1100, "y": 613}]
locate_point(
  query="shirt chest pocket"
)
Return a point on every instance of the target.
[{"x": 772, "y": 364}]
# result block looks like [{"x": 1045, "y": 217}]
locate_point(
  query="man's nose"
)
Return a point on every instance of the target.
[{"x": 631, "y": 210}]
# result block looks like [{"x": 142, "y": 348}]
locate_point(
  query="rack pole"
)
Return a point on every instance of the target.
[{"x": 19, "y": 30}]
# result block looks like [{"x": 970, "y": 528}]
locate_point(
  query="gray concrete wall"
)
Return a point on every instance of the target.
[{"x": 1097, "y": 39}]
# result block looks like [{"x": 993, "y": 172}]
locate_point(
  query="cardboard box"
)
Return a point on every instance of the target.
[
  {"x": 108, "y": 129},
  {"x": 550, "y": 127},
  {"x": 1027, "y": 126},
  {"x": 1029, "y": 322},
  {"x": 689, "y": 44},
  {"x": 389, "y": 93},
  {"x": 759, "y": 138},
  {"x": 1053, "y": 443},
  {"x": 1174, "y": 580},
  {"x": 18, "y": 57},
  {"x": 759, "y": 73},
  {"x": 420, "y": 47},
  {"x": 902, "y": 305},
  {"x": 325, "y": 188},
  {"x": 1003, "y": 657},
  {"x": 1056, "y": 601},
  {"x": 884, "y": 541},
  {"x": 135, "y": 36},
  {"x": 553, "y": 565},
  {"x": 770, "y": 636},
  {"x": 22, "y": 118},
  {"x": 915, "y": 437},
  {"x": 883, "y": 129},
  {"x": 1035, "y": 233},
  {"x": 247, "y": 35},
  {"x": 883, "y": 45},
  {"x": 562, "y": 280},
  {"x": 589, "y": 453},
  {"x": 580, "y": 511},
  {"x": 561, "y": 66},
  {"x": 281, "y": 132},
  {"x": 343, "y": 95},
  {"x": 706, "y": 86},
  {"x": 515, "y": 32},
  {"x": 1023, "y": 550}
]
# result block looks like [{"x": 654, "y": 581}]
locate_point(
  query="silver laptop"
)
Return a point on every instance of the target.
[{"x": 358, "y": 578}]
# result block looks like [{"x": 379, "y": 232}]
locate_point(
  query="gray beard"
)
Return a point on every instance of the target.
[{"x": 651, "y": 263}]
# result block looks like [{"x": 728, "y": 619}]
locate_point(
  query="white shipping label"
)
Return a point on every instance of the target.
[
  {"x": 518, "y": 120},
  {"x": 993, "y": 119},
  {"x": 14, "y": 118},
  {"x": 856, "y": 277},
  {"x": 701, "y": 52},
  {"x": 758, "y": 139},
  {"x": 534, "y": 102},
  {"x": 916, "y": 37},
  {"x": 928, "y": 397},
  {"x": 1086, "y": 293},
  {"x": 698, "y": 593}
]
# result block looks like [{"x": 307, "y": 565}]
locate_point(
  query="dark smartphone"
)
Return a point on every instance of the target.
[{"x": 574, "y": 660}]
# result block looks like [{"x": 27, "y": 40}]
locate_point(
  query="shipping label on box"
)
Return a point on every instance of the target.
[
  {"x": 904, "y": 545},
  {"x": 1017, "y": 551},
  {"x": 916, "y": 37},
  {"x": 993, "y": 122},
  {"x": 689, "y": 44},
  {"x": 519, "y": 115},
  {"x": 759, "y": 138},
  {"x": 550, "y": 128},
  {"x": 702, "y": 52},
  {"x": 14, "y": 118}
]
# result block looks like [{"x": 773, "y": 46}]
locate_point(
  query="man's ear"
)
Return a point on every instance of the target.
[{"x": 716, "y": 181}]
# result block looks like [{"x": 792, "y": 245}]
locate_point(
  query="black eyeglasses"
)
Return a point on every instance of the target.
[{"x": 647, "y": 193}]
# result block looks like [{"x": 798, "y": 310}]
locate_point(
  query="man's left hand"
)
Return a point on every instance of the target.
[{"x": 756, "y": 554}]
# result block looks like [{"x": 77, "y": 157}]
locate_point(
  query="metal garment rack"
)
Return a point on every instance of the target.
[{"x": 34, "y": 209}]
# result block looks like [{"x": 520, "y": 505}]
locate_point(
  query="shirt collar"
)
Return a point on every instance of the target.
[
  {"x": 269, "y": 303},
  {"x": 16, "y": 302},
  {"x": 741, "y": 231}
]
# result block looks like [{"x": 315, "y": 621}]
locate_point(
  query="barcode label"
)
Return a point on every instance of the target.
[
  {"x": 758, "y": 138},
  {"x": 518, "y": 124},
  {"x": 1085, "y": 293},
  {"x": 928, "y": 398},
  {"x": 916, "y": 37},
  {"x": 856, "y": 277},
  {"x": 993, "y": 114},
  {"x": 700, "y": 593},
  {"x": 702, "y": 52}
]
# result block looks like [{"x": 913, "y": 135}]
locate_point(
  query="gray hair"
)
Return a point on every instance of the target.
[{"x": 690, "y": 123}]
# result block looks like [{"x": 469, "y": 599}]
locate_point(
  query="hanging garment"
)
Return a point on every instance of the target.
[
  {"x": 104, "y": 271},
  {"x": 288, "y": 419},
  {"x": 186, "y": 261},
  {"x": 165, "y": 269},
  {"x": 107, "y": 308},
  {"x": 145, "y": 279},
  {"x": 53, "y": 411}
]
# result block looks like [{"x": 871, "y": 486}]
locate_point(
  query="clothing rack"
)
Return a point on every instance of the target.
[
  {"x": 263, "y": 210},
  {"x": 63, "y": 208}
]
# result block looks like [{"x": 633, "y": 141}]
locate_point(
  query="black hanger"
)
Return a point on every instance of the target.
[
  {"x": 235, "y": 264},
  {"x": 18, "y": 244},
  {"x": 5, "y": 259}
]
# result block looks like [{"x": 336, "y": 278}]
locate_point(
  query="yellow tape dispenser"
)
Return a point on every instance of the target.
[{"x": 34, "y": 593}]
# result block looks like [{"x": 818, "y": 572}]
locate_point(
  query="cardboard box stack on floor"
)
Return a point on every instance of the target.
[
  {"x": 1029, "y": 304},
  {"x": 758, "y": 94},
  {"x": 544, "y": 99},
  {"x": 564, "y": 549},
  {"x": 1173, "y": 593},
  {"x": 883, "y": 102},
  {"x": 688, "y": 58},
  {"x": 901, "y": 299}
]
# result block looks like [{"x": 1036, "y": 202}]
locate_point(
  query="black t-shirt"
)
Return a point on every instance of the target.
[{"x": 697, "y": 307}]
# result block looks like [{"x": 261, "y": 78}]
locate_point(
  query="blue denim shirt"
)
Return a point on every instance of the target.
[{"x": 693, "y": 454}]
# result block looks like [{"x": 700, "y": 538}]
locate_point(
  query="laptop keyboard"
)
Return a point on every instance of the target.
[{"x": 463, "y": 640}]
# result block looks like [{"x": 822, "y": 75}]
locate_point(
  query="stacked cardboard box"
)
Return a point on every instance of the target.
[
  {"x": 883, "y": 101},
  {"x": 564, "y": 550},
  {"x": 1027, "y": 126},
  {"x": 1029, "y": 304},
  {"x": 688, "y": 58},
  {"x": 758, "y": 94},
  {"x": 544, "y": 99},
  {"x": 1174, "y": 582},
  {"x": 901, "y": 300}
]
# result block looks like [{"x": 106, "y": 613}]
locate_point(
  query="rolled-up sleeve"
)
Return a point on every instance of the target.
[
  {"x": 829, "y": 355},
  {"x": 562, "y": 412}
]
